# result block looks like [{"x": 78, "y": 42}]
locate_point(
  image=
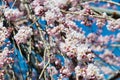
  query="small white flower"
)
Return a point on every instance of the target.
[{"x": 93, "y": 70}]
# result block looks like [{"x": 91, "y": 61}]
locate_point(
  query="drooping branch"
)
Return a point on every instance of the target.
[
  {"x": 108, "y": 11},
  {"x": 115, "y": 76}
]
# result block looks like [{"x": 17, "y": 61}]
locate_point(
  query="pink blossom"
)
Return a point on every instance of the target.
[
  {"x": 113, "y": 25},
  {"x": 39, "y": 10},
  {"x": 12, "y": 14},
  {"x": 23, "y": 34},
  {"x": 65, "y": 72},
  {"x": 100, "y": 23},
  {"x": 103, "y": 39},
  {"x": 4, "y": 57},
  {"x": 3, "y": 34},
  {"x": 91, "y": 37},
  {"x": 36, "y": 3},
  {"x": 89, "y": 72}
]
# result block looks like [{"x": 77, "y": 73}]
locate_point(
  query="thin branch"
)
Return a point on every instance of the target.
[
  {"x": 115, "y": 76},
  {"x": 79, "y": 12},
  {"x": 13, "y": 3},
  {"x": 44, "y": 69},
  {"x": 110, "y": 1},
  {"x": 115, "y": 45},
  {"x": 108, "y": 11}
]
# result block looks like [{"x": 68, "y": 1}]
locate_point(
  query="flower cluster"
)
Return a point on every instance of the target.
[
  {"x": 12, "y": 14},
  {"x": 3, "y": 35},
  {"x": 64, "y": 48},
  {"x": 113, "y": 25},
  {"x": 72, "y": 41},
  {"x": 100, "y": 23},
  {"x": 39, "y": 10},
  {"x": 5, "y": 60},
  {"x": 84, "y": 53},
  {"x": 53, "y": 3},
  {"x": 74, "y": 46},
  {"x": 91, "y": 37},
  {"x": 89, "y": 72},
  {"x": 103, "y": 39},
  {"x": 23, "y": 34},
  {"x": 4, "y": 57},
  {"x": 56, "y": 30},
  {"x": 64, "y": 72},
  {"x": 36, "y": 3},
  {"x": 53, "y": 15}
]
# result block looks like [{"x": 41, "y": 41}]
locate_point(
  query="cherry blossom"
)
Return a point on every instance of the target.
[
  {"x": 89, "y": 72},
  {"x": 23, "y": 34},
  {"x": 38, "y": 10},
  {"x": 12, "y": 14},
  {"x": 3, "y": 33},
  {"x": 62, "y": 38},
  {"x": 100, "y": 23},
  {"x": 113, "y": 25}
]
